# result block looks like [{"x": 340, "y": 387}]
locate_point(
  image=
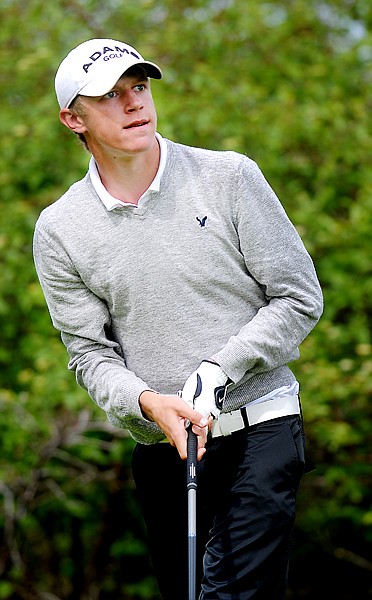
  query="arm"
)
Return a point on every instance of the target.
[
  {"x": 281, "y": 283},
  {"x": 85, "y": 325},
  {"x": 278, "y": 261},
  {"x": 84, "y": 322}
]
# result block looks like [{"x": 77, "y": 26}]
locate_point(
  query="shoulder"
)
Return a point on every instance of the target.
[
  {"x": 207, "y": 156},
  {"x": 71, "y": 206},
  {"x": 226, "y": 169}
]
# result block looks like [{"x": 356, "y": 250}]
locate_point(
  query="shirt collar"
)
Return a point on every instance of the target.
[{"x": 110, "y": 201}]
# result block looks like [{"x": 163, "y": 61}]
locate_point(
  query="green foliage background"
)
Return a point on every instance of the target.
[{"x": 287, "y": 82}]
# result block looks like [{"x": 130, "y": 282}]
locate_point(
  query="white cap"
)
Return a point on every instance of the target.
[{"x": 93, "y": 68}]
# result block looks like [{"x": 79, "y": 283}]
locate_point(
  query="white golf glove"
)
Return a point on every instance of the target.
[{"x": 205, "y": 389}]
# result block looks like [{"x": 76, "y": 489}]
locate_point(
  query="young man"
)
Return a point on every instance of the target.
[{"x": 174, "y": 268}]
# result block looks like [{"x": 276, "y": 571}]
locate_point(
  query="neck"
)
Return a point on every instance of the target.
[{"x": 128, "y": 178}]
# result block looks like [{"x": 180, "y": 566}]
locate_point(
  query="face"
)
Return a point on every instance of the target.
[{"x": 122, "y": 122}]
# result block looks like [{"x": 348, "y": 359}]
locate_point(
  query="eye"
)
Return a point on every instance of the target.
[
  {"x": 110, "y": 95},
  {"x": 140, "y": 87}
]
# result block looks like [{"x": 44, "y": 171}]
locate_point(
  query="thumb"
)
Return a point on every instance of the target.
[{"x": 198, "y": 419}]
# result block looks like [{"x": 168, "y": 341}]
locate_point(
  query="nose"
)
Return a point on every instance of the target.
[{"x": 132, "y": 102}]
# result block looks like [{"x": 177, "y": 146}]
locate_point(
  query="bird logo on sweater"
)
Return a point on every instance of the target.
[{"x": 202, "y": 221}]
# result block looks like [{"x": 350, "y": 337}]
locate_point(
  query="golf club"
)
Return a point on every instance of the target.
[{"x": 192, "y": 448}]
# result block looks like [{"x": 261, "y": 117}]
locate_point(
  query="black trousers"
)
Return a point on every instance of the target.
[{"x": 247, "y": 485}]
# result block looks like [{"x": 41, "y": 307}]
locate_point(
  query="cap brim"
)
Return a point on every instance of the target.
[{"x": 102, "y": 85}]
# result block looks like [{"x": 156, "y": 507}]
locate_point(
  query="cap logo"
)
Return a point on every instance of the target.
[{"x": 116, "y": 52}]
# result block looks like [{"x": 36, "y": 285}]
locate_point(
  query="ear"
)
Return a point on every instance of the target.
[{"x": 72, "y": 121}]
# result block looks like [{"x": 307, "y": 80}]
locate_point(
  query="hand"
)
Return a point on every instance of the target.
[
  {"x": 171, "y": 414},
  {"x": 205, "y": 389}
]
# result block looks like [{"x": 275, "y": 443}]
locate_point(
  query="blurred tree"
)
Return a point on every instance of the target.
[{"x": 289, "y": 84}]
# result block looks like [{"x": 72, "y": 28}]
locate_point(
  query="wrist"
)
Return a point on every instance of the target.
[{"x": 146, "y": 401}]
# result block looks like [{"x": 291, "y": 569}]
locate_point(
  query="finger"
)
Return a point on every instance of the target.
[
  {"x": 200, "y": 431},
  {"x": 182, "y": 450},
  {"x": 184, "y": 409},
  {"x": 197, "y": 418},
  {"x": 201, "y": 452},
  {"x": 180, "y": 442}
]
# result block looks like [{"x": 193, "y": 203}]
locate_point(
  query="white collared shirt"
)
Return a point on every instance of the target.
[{"x": 110, "y": 201}]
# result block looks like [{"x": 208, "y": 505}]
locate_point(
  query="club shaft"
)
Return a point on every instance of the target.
[{"x": 192, "y": 448}]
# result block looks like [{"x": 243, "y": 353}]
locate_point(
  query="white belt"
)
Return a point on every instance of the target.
[{"x": 228, "y": 423}]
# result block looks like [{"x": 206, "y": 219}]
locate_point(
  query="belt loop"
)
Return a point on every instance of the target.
[
  {"x": 299, "y": 402},
  {"x": 245, "y": 417}
]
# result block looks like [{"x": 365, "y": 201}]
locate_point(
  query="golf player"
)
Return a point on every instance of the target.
[{"x": 182, "y": 291}]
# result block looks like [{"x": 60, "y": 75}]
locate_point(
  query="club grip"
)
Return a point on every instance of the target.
[{"x": 192, "y": 450}]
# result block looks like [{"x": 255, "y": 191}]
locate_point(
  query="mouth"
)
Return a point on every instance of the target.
[{"x": 136, "y": 124}]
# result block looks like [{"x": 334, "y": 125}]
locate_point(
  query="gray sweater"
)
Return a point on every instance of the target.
[{"x": 209, "y": 266}]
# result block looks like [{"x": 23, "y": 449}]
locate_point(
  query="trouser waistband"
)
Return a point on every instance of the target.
[{"x": 230, "y": 422}]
